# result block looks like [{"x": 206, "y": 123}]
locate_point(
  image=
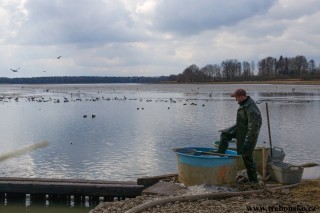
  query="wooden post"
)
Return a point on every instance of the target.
[
  {"x": 263, "y": 164},
  {"x": 269, "y": 128}
]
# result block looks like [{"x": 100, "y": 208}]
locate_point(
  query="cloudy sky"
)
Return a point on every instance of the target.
[{"x": 150, "y": 37}]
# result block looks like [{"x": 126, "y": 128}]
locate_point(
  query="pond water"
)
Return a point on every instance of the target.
[
  {"x": 131, "y": 129},
  {"x": 20, "y": 206}
]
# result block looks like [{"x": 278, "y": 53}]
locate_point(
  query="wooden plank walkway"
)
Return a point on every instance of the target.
[{"x": 47, "y": 186}]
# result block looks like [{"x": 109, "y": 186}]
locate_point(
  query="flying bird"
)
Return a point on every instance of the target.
[
  {"x": 59, "y": 57},
  {"x": 15, "y": 70}
]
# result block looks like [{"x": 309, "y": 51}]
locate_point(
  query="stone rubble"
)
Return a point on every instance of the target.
[{"x": 262, "y": 202}]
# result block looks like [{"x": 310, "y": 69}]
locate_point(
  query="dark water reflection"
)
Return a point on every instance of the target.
[
  {"x": 137, "y": 125},
  {"x": 26, "y": 205}
]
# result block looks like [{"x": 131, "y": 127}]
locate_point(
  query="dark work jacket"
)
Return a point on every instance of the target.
[{"x": 248, "y": 126}]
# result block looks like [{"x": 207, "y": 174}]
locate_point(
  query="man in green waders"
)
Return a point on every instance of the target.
[{"x": 246, "y": 131}]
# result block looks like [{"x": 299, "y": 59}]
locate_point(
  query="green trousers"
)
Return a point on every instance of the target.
[
  {"x": 251, "y": 168},
  {"x": 250, "y": 165}
]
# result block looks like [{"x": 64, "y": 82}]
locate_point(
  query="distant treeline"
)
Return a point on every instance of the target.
[
  {"x": 82, "y": 80},
  {"x": 267, "y": 69},
  {"x": 230, "y": 70}
]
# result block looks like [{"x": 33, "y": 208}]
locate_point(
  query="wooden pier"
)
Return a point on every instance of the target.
[{"x": 44, "y": 187}]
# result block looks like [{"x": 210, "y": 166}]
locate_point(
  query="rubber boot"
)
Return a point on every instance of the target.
[{"x": 224, "y": 142}]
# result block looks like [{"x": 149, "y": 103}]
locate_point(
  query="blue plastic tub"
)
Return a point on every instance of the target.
[{"x": 197, "y": 166}]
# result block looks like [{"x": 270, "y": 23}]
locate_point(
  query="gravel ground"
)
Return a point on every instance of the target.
[{"x": 304, "y": 198}]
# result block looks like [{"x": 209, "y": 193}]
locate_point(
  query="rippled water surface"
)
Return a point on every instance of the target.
[{"x": 136, "y": 126}]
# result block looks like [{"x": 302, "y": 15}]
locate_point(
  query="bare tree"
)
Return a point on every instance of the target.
[
  {"x": 300, "y": 65},
  {"x": 280, "y": 66},
  {"x": 312, "y": 66},
  {"x": 208, "y": 71},
  {"x": 253, "y": 66},
  {"x": 217, "y": 71},
  {"x": 246, "y": 69},
  {"x": 267, "y": 67},
  {"x": 231, "y": 69}
]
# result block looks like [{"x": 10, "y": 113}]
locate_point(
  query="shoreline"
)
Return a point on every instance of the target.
[
  {"x": 284, "y": 82},
  {"x": 303, "y": 196},
  {"x": 292, "y": 81}
]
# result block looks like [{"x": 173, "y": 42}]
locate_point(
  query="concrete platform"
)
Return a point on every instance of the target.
[{"x": 164, "y": 188}]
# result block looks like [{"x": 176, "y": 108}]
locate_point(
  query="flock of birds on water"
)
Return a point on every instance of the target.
[
  {"x": 78, "y": 96},
  {"x": 17, "y": 69}
]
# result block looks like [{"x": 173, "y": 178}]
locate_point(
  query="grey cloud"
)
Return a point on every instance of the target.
[
  {"x": 192, "y": 17},
  {"x": 102, "y": 37},
  {"x": 81, "y": 21},
  {"x": 283, "y": 20},
  {"x": 294, "y": 10}
]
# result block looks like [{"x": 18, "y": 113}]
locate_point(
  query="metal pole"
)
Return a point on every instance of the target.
[{"x": 270, "y": 142}]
